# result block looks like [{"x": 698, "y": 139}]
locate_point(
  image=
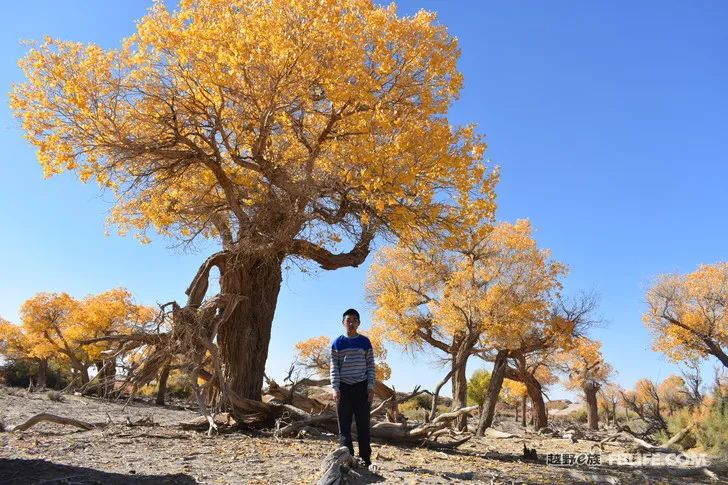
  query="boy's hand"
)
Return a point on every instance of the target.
[
  {"x": 370, "y": 395},
  {"x": 336, "y": 395}
]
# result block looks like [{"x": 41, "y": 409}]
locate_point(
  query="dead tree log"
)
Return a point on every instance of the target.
[
  {"x": 399, "y": 433},
  {"x": 283, "y": 395},
  {"x": 337, "y": 467}
]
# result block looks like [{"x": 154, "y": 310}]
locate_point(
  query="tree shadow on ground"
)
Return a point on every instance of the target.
[{"x": 18, "y": 471}]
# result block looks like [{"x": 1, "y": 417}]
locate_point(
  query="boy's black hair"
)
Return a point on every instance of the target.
[{"x": 351, "y": 312}]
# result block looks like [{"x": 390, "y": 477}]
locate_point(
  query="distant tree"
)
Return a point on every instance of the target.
[
  {"x": 536, "y": 371},
  {"x": 531, "y": 353},
  {"x": 48, "y": 321},
  {"x": 112, "y": 312},
  {"x": 608, "y": 397},
  {"x": 485, "y": 288},
  {"x": 477, "y": 385},
  {"x": 23, "y": 354},
  {"x": 587, "y": 371},
  {"x": 56, "y": 324},
  {"x": 673, "y": 393},
  {"x": 514, "y": 394},
  {"x": 687, "y": 314},
  {"x": 645, "y": 401}
]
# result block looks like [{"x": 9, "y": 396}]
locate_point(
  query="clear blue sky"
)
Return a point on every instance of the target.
[{"x": 608, "y": 120}]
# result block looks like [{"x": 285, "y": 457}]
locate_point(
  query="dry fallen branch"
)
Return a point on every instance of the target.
[
  {"x": 52, "y": 418},
  {"x": 642, "y": 445},
  {"x": 293, "y": 428},
  {"x": 393, "y": 402},
  {"x": 399, "y": 433}
]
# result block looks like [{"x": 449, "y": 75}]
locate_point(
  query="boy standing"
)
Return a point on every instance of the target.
[{"x": 352, "y": 381}]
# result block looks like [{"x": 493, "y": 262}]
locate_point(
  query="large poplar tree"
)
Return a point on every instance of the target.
[{"x": 280, "y": 128}]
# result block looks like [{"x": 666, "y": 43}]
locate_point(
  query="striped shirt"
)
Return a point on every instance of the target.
[{"x": 352, "y": 361}]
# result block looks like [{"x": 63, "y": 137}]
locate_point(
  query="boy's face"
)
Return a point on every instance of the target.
[{"x": 350, "y": 323}]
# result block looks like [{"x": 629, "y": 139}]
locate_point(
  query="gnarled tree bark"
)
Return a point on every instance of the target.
[
  {"x": 592, "y": 412},
  {"x": 494, "y": 387},
  {"x": 162, "y": 385}
]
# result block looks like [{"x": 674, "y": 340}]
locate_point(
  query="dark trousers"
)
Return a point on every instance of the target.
[{"x": 354, "y": 400}]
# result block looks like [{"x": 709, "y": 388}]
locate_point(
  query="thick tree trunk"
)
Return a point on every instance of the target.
[
  {"x": 459, "y": 392},
  {"x": 83, "y": 374},
  {"x": 42, "y": 373},
  {"x": 162, "y": 385},
  {"x": 494, "y": 388},
  {"x": 592, "y": 412},
  {"x": 244, "y": 338},
  {"x": 539, "y": 417},
  {"x": 107, "y": 375},
  {"x": 532, "y": 418},
  {"x": 538, "y": 410},
  {"x": 523, "y": 409},
  {"x": 110, "y": 381},
  {"x": 79, "y": 367}
]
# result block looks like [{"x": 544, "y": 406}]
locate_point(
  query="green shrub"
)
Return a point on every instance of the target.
[
  {"x": 579, "y": 416},
  {"x": 423, "y": 401},
  {"x": 17, "y": 373},
  {"x": 477, "y": 385},
  {"x": 410, "y": 405},
  {"x": 178, "y": 386},
  {"x": 712, "y": 431},
  {"x": 676, "y": 423},
  {"x": 55, "y": 396}
]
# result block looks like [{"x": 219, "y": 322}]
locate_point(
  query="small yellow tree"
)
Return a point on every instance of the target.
[
  {"x": 514, "y": 394},
  {"x": 315, "y": 354},
  {"x": 607, "y": 399},
  {"x": 48, "y": 321},
  {"x": 588, "y": 372},
  {"x": 112, "y": 312},
  {"x": 687, "y": 314},
  {"x": 16, "y": 345}
]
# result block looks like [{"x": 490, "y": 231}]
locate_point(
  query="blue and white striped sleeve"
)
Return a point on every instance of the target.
[
  {"x": 371, "y": 371},
  {"x": 334, "y": 367}
]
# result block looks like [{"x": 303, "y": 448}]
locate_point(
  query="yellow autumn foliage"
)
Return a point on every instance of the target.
[
  {"x": 54, "y": 324},
  {"x": 315, "y": 354},
  {"x": 494, "y": 287},
  {"x": 687, "y": 314},
  {"x": 262, "y": 121},
  {"x": 585, "y": 363}
]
